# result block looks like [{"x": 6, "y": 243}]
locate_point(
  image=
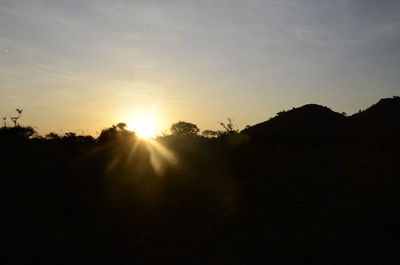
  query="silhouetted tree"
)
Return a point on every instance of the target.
[
  {"x": 15, "y": 118},
  {"x": 280, "y": 113},
  {"x": 183, "y": 128},
  {"x": 115, "y": 132},
  {"x": 52, "y": 136},
  {"x": 209, "y": 133},
  {"x": 228, "y": 128},
  {"x": 70, "y": 134}
]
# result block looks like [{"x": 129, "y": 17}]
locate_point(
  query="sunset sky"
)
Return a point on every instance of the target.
[{"x": 85, "y": 65}]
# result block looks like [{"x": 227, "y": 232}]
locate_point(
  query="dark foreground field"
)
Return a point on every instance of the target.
[{"x": 309, "y": 186}]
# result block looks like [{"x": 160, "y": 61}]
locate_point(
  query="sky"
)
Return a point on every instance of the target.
[{"x": 81, "y": 66}]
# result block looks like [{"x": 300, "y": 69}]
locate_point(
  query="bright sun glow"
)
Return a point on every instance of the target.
[{"x": 144, "y": 127}]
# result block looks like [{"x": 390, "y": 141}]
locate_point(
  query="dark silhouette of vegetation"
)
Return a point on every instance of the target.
[
  {"x": 228, "y": 128},
  {"x": 115, "y": 132},
  {"x": 16, "y": 118},
  {"x": 309, "y": 186},
  {"x": 17, "y": 132},
  {"x": 210, "y": 133},
  {"x": 183, "y": 128},
  {"x": 53, "y": 136}
]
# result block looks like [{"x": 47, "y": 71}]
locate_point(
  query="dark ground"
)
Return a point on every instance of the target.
[{"x": 309, "y": 186}]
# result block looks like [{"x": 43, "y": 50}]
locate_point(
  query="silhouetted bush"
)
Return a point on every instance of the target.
[{"x": 17, "y": 132}]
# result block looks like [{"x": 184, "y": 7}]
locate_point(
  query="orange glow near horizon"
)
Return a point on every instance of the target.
[{"x": 143, "y": 126}]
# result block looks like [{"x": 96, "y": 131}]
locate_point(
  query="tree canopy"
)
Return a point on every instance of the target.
[{"x": 183, "y": 128}]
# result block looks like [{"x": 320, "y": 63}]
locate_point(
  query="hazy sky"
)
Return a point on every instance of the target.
[{"x": 85, "y": 65}]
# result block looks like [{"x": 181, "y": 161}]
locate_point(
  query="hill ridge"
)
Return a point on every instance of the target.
[{"x": 318, "y": 121}]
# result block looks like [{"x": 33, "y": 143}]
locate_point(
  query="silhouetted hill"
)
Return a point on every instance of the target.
[
  {"x": 381, "y": 121},
  {"x": 318, "y": 123},
  {"x": 310, "y": 121},
  {"x": 386, "y": 111}
]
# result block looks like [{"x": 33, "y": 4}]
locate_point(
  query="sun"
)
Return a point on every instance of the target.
[{"x": 143, "y": 126}]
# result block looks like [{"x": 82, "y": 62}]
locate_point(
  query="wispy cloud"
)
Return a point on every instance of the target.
[{"x": 103, "y": 54}]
